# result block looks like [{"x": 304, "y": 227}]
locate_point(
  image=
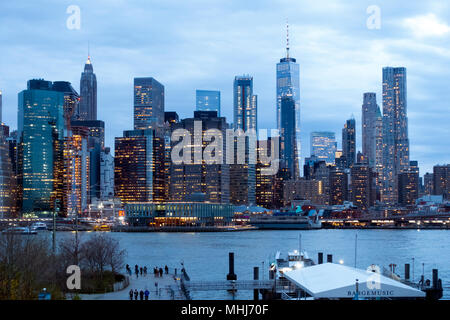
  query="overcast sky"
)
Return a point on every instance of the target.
[{"x": 196, "y": 44}]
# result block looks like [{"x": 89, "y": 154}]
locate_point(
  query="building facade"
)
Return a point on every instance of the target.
[
  {"x": 211, "y": 179},
  {"x": 288, "y": 84},
  {"x": 41, "y": 142},
  {"x": 395, "y": 132},
  {"x": 288, "y": 137},
  {"x": 408, "y": 185},
  {"x": 441, "y": 180},
  {"x": 363, "y": 191},
  {"x": 323, "y": 146},
  {"x": 148, "y": 103},
  {"x": 179, "y": 214},
  {"x": 139, "y": 167},
  {"x": 245, "y": 103},
  {"x": 349, "y": 142},
  {"x": 106, "y": 175},
  {"x": 88, "y": 94},
  {"x": 207, "y": 100}
]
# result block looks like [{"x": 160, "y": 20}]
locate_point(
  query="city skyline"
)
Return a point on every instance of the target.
[{"x": 319, "y": 112}]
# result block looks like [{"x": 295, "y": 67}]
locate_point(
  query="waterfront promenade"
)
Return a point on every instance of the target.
[{"x": 168, "y": 289}]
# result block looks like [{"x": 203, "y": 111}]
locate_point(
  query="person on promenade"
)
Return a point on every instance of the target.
[
  {"x": 135, "y": 294},
  {"x": 137, "y": 273},
  {"x": 141, "y": 295},
  {"x": 155, "y": 271},
  {"x": 166, "y": 268},
  {"x": 131, "y": 294},
  {"x": 145, "y": 270},
  {"x": 142, "y": 270},
  {"x": 160, "y": 272},
  {"x": 156, "y": 287},
  {"x": 147, "y": 293}
]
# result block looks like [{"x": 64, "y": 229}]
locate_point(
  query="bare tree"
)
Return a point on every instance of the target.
[{"x": 101, "y": 252}]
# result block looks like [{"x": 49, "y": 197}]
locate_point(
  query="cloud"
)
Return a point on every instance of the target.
[
  {"x": 203, "y": 44},
  {"x": 426, "y": 26}
]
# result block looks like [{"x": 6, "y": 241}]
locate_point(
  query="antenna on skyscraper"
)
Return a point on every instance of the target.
[
  {"x": 287, "y": 38},
  {"x": 89, "y": 54}
]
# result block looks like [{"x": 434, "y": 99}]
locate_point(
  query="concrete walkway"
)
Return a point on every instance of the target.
[{"x": 161, "y": 292}]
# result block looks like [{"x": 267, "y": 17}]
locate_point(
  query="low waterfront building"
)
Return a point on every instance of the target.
[{"x": 178, "y": 214}]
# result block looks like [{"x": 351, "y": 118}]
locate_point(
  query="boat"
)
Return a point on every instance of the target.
[
  {"x": 290, "y": 220},
  {"x": 39, "y": 226},
  {"x": 19, "y": 230},
  {"x": 291, "y": 261}
]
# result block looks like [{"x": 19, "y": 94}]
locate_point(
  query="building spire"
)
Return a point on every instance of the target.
[
  {"x": 89, "y": 55},
  {"x": 287, "y": 39}
]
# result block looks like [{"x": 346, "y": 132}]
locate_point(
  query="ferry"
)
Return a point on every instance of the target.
[
  {"x": 290, "y": 220},
  {"x": 19, "y": 230},
  {"x": 39, "y": 226}
]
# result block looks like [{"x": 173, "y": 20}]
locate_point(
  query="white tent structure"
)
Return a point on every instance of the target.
[{"x": 336, "y": 281}]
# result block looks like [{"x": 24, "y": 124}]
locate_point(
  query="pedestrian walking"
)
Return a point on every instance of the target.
[
  {"x": 155, "y": 271},
  {"x": 160, "y": 272},
  {"x": 135, "y": 294},
  {"x": 137, "y": 273},
  {"x": 147, "y": 293},
  {"x": 131, "y": 294},
  {"x": 145, "y": 270},
  {"x": 141, "y": 295},
  {"x": 166, "y": 268},
  {"x": 142, "y": 270},
  {"x": 156, "y": 287}
]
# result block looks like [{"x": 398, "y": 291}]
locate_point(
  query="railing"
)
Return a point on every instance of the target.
[{"x": 229, "y": 285}]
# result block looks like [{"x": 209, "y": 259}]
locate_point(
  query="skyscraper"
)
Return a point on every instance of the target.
[
  {"x": 408, "y": 185},
  {"x": 338, "y": 186},
  {"x": 323, "y": 146},
  {"x": 288, "y": 137},
  {"x": 106, "y": 175},
  {"x": 243, "y": 176},
  {"x": 88, "y": 94},
  {"x": 213, "y": 180},
  {"x": 372, "y": 130},
  {"x": 395, "y": 132},
  {"x": 288, "y": 84},
  {"x": 41, "y": 136},
  {"x": 7, "y": 185},
  {"x": 207, "y": 100},
  {"x": 245, "y": 103},
  {"x": 349, "y": 142},
  {"x": 139, "y": 167},
  {"x": 441, "y": 180},
  {"x": 362, "y": 186},
  {"x": 96, "y": 138},
  {"x": 148, "y": 103}
]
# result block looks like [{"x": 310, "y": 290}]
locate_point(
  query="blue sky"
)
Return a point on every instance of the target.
[{"x": 188, "y": 45}]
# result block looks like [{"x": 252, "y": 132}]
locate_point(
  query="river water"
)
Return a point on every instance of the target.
[{"x": 205, "y": 255}]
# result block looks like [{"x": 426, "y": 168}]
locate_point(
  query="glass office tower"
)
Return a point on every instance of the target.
[
  {"x": 349, "y": 142},
  {"x": 245, "y": 103},
  {"x": 395, "y": 131},
  {"x": 148, "y": 103},
  {"x": 41, "y": 136},
  {"x": 207, "y": 100},
  {"x": 288, "y": 137},
  {"x": 288, "y": 84},
  {"x": 323, "y": 146}
]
